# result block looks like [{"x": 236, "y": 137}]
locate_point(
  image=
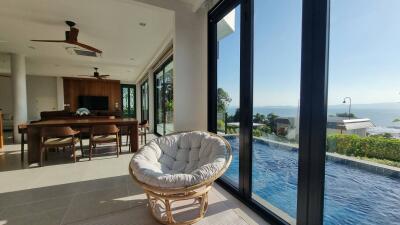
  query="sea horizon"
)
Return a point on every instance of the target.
[{"x": 381, "y": 114}]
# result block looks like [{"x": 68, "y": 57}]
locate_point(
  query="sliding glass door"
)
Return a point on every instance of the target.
[
  {"x": 164, "y": 100},
  {"x": 270, "y": 58},
  {"x": 228, "y": 62},
  {"x": 128, "y": 95},
  {"x": 362, "y": 178},
  {"x": 144, "y": 100},
  {"x": 276, "y": 97}
]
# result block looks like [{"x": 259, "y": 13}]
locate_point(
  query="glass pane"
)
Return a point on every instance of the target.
[
  {"x": 277, "y": 45},
  {"x": 362, "y": 178},
  {"x": 132, "y": 102},
  {"x": 169, "y": 98},
  {"x": 125, "y": 103},
  {"x": 159, "y": 103},
  {"x": 228, "y": 78},
  {"x": 145, "y": 103}
]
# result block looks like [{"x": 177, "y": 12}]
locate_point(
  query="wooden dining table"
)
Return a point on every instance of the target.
[{"x": 34, "y": 131}]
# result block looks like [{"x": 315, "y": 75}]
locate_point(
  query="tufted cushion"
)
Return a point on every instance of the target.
[{"x": 180, "y": 160}]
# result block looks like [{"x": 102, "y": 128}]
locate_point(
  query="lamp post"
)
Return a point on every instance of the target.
[{"x": 344, "y": 101}]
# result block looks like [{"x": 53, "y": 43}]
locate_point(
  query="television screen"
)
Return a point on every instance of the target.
[{"x": 93, "y": 102}]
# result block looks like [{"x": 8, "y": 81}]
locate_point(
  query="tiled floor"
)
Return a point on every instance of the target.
[{"x": 90, "y": 192}]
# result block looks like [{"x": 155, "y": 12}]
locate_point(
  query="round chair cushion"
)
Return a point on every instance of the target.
[{"x": 180, "y": 160}]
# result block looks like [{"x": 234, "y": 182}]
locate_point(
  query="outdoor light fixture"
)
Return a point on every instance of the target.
[{"x": 344, "y": 101}]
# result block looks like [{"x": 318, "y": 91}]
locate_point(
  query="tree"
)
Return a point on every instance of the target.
[
  {"x": 234, "y": 118},
  {"x": 223, "y": 100},
  {"x": 271, "y": 117},
  {"x": 384, "y": 135},
  {"x": 345, "y": 115},
  {"x": 259, "y": 118}
]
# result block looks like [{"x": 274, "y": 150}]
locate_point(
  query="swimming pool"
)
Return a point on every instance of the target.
[{"x": 352, "y": 195}]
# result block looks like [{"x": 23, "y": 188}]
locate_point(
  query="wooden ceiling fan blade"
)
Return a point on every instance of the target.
[
  {"x": 72, "y": 35},
  {"x": 4, "y": 75},
  {"x": 85, "y": 76},
  {"x": 88, "y": 47},
  {"x": 104, "y": 75},
  {"x": 49, "y": 40}
]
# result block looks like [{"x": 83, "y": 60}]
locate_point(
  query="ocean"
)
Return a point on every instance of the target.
[{"x": 381, "y": 114}]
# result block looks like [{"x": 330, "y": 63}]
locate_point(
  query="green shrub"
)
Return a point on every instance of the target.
[
  {"x": 231, "y": 130},
  {"x": 257, "y": 133},
  {"x": 221, "y": 125},
  {"x": 371, "y": 147}
]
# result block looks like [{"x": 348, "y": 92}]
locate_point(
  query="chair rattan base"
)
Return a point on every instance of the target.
[
  {"x": 156, "y": 197},
  {"x": 166, "y": 201}
]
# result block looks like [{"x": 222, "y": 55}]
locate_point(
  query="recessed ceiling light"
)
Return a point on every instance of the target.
[{"x": 143, "y": 24}]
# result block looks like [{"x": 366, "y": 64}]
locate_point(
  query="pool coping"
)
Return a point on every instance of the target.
[{"x": 373, "y": 167}]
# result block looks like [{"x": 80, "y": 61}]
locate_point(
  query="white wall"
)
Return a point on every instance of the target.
[
  {"x": 6, "y": 103},
  {"x": 41, "y": 95},
  {"x": 190, "y": 66},
  {"x": 60, "y": 93}
]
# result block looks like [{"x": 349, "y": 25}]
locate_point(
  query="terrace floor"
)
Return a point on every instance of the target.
[{"x": 90, "y": 192}]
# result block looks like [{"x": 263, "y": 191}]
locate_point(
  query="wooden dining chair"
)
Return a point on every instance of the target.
[
  {"x": 22, "y": 129},
  {"x": 124, "y": 130},
  {"x": 101, "y": 134},
  {"x": 57, "y": 137},
  {"x": 142, "y": 132},
  {"x": 143, "y": 126}
]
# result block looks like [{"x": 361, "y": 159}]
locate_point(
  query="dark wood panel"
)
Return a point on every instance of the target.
[{"x": 74, "y": 87}]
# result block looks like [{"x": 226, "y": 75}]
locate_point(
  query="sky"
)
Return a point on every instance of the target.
[{"x": 364, "y": 53}]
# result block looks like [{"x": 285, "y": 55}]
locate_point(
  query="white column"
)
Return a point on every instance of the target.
[
  {"x": 18, "y": 77},
  {"x": 60, "y": 93},
  {"x": 190, "y": 71}
]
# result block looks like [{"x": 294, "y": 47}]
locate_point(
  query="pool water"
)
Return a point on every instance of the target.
[{"x": 352, "y": 195}]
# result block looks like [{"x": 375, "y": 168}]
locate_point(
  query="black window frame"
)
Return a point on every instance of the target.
[
  {"x": 129, "y": 86},
  {"x": 146, "y": 82},
  {"x": 159, "y": 69},
  {"x": 313, "y": 106}
]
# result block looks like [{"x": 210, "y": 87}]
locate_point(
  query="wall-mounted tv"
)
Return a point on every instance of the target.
[{"x": 93, "y": 102}]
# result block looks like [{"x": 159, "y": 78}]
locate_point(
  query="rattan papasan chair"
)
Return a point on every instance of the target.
[{"x": 177, "y": 167}]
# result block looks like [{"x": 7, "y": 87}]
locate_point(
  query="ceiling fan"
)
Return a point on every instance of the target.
[
  {"x": 96, "y": 74},
  {"x": 71, "y": 37},
  {"x": 5, "y": 75}
]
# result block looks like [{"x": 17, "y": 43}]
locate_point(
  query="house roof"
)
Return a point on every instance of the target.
[
  {"x": 237, "y": 124},
  {"x": 348, "y": 124}
]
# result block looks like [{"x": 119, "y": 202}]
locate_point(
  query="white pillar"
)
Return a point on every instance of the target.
[
  {"x": 190, "y": 71},
  {"x": 18, "y": 72},
  {"x": 60, "y": 93}
]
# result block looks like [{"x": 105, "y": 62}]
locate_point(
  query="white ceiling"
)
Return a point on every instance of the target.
[
  {"x": 196, "y": 4},
  {"x": 110, "y": 25}
]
